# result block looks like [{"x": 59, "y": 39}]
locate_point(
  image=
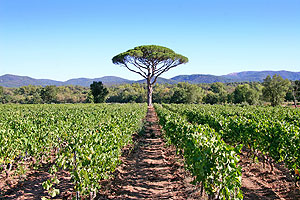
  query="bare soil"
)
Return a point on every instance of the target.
[
  {"x": 151, "y": 169},
  {"x": 259, "y": 181},
  {"x": 29, "y": 186}
]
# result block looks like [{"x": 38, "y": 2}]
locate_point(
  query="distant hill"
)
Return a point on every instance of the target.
[
  {"x": 160, "y": 81},
  {"x": 106, "y": 80},
  {"x": 247, "y": 76},
  {"x": 201, "y": 78},
  {"x": 261, "y": 75},
  {"x": 9, "y": 80}
]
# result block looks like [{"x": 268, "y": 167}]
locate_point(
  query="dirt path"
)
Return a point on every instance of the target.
[{"x": 152, "y": 170}]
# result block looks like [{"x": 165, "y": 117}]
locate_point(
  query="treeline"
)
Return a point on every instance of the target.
[
  {"x": 274, "y": 90},
  {"x": 48, "y": 94}
]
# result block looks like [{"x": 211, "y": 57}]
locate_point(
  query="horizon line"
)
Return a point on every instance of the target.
[{"x": 143, "y": 79}]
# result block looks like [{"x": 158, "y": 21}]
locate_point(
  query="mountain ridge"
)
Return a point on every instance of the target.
[{"x": 9, "y": 80}]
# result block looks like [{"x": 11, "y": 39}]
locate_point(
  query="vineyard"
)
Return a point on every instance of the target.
[
  {"x": 274, "y": 132},
  {"x": 211, "y": 138},
  {"x": 86, "y": 142}
]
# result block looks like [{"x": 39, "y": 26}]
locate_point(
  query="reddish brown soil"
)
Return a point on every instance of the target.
[
  {"x": 30, "y": 186},
  {"x": 260, "y": 182},
  {"x": 151, "y": 169}
]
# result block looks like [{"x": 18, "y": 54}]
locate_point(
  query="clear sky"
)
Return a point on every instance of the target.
[{"x": 63, "y": 39}]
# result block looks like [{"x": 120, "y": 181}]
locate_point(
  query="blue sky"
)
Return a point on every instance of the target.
[{"x": 63, "y": 39}]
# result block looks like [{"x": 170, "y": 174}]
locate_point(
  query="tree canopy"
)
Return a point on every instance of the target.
[
  {"x": 149, "y": 61},
  {"x": 48, "y": 94},
  {"x": 275, "y": 89},
  {"x": 99, "y": 92},
  {"x": 187, "y": 93},
  {"x": 295, "y": 92},
  {"x": 220, "y": 93},
  {"x": 244, "y": 93},
  {"x": 296, "y": 88}
]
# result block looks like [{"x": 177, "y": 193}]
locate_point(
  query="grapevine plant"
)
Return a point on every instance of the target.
[
  {"x": 210, "y": 160},
  {"x": 85, "y": 140},
  {"x": 274, "y": 132}
]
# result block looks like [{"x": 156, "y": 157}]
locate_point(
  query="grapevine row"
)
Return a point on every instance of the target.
[
  {"x": 272, "y": 131},
  {"x": 206, "y": 155},
  {"x": 85, "y": 140}
]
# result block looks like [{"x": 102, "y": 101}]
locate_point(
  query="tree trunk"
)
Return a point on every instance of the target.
[
  {"x": 150, "y": 90},
  {"x": 295, "y": 101},
  {"x": 294, "y": 96}
]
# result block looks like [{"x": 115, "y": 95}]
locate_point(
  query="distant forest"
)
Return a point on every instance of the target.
[{"x": 253, "y": 93}]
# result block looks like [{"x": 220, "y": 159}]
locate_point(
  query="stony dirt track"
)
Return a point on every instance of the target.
[{"x": 151, "y": 170}]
